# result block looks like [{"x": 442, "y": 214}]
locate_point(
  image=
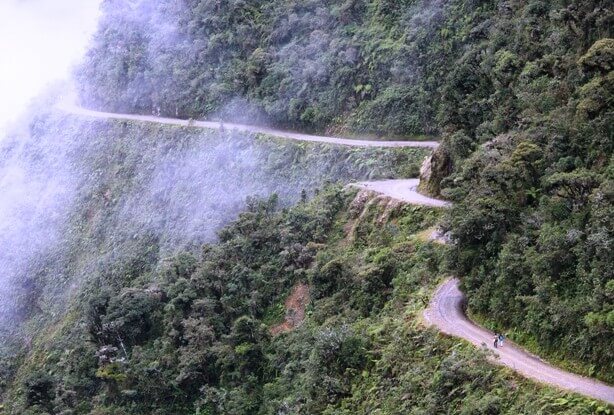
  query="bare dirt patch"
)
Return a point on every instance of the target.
[{"x": 295, "y": 309}]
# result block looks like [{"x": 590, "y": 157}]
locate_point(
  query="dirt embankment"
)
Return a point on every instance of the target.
[{"x": 295, "y": 309}]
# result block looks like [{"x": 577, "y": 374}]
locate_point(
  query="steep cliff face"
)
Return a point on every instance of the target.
[
  {"x": 98, "y": 202},
  {"x": 198, "y": 332},
  {"x": 131, "y": 308}
]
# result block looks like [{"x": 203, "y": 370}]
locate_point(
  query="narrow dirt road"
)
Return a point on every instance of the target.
[
  {"x": 404, "y": 190},
  {"x": 446, "y": 313},
  {"x": 245, "y": 128},
  {"x": 446, "y": 308}
]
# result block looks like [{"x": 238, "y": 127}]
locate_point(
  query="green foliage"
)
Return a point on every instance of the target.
[
  {"x": 140, "y": 193},
  {"x": 367, "y": 66},
  {"x": 39, "y": 389},
  {"x": 189, "y": 336},
  {"x": 530, "y": 219},
  {"x": 528, "y": 157},
  {"x": 520, "y": 91},
  {"x": 600, "y": 56},
  {"x": 111, "y": 373}
]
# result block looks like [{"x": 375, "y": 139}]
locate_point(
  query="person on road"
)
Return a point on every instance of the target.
[
  {"x": 501, "y": 338},
  {"x": 496, "y": 340}
]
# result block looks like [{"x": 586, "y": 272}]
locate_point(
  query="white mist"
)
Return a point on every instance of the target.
[{"x": 40, "y": 40}]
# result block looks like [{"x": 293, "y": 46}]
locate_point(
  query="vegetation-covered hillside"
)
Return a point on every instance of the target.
[
  {"x": 136, "y": 285},
  {"x": 521, "y": 92},
  {"x": 103, "y": 184},
  {"x": 367, "y": 66},
  {"x": 84, "y": 199},
  {"x": 534, "y": 202},
  {"x": 192, "y": 334},
  {"x": 391, "y": 67}
]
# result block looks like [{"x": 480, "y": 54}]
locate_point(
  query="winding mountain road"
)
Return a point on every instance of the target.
[
  {"x": 73, "y": 109},
  {"x": 446, "y": 313},
  {"x": 445, "y": 310},
  {"x": 405, "y": 190}
]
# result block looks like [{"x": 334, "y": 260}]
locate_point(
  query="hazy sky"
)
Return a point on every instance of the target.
[{"x": 39, "y": 41}]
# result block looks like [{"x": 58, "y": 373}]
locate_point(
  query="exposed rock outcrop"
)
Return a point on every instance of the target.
[{"x": 434, "y": 169}]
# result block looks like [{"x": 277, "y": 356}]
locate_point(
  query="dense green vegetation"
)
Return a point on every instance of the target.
[
  {"x": 123, "y": 186},
  {"x": 534, "y": 212},
  {"x": 137, "y": 307},
  {"x": 373, "y": 66},
  {"x": 101, "y": 196},
  {"x": 520, "y": 91},
  {"x": 185, "y": 334}
]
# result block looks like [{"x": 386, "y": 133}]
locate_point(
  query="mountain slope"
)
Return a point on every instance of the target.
[
  {"x": 519, "y": 91},
  {"x": 131, "y": 286},
  {"x": 191, "y": 333}
]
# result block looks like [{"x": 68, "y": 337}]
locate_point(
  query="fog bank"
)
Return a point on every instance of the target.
[{"x": 39, "y": 42}]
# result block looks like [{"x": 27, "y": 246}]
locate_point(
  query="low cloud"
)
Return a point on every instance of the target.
[{"x": 39, "y": 42}]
